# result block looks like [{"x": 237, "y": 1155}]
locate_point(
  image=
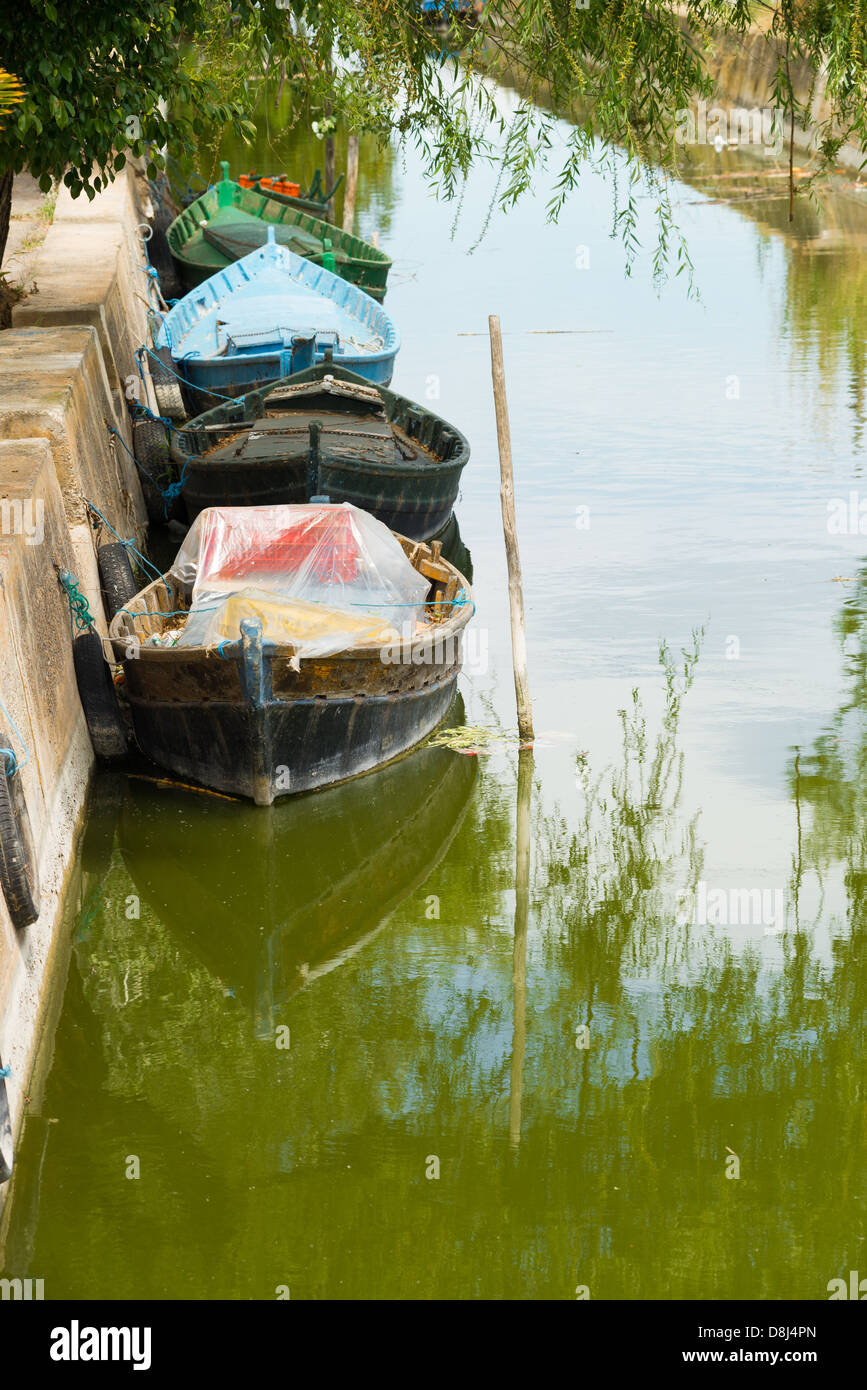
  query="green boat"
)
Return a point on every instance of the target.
[{"x": 228, "y": 222}]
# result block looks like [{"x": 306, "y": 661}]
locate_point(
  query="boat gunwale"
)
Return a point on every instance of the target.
[
  {"x": 120, "y": 635},
  {"x": 188, "y": 312},
  {"x": 193, "y": 431},
  {"x": 188, "y": 222}
]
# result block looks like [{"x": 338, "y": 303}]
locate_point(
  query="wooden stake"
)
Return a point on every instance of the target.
[
  {"x": 519, "y": 954},
  {"x": 510, "y": 531},
  {"x": 351, "y": 184}
]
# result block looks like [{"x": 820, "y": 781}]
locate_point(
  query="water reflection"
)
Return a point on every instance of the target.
[{"x": 269, "y": 903}]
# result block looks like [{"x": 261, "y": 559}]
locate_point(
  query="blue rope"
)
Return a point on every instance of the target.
[
  {"x": 143, "y": 561},
  {"x": 233, "y": 400},
  {"x": 142, "y": 410},
  {"x": 168, "y": 493},
  {"x": 178, "y": 613},
  {"x": 5, "y": 1071},
  {"x": 12, "y": 763},
  {"x": 460, "y": 602},
  {"x": 176, "y": 488},
  {"x": 80, "y": 615}
]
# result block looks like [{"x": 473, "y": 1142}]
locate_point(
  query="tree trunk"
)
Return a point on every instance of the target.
[
  {"x": 351, "y": 184},
  {"x": 5, "y": 208},
  {"x": 329, "y": 171}
]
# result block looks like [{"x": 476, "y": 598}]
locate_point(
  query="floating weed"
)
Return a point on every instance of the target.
[{"x": 473, "y": 738}]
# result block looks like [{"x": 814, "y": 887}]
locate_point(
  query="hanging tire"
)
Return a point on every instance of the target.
[
  {"x": 150, "y": 442},
  {"x": 119, "y": 585},
  {"x": 18, "y": 870},
  {"x": 98, "y": 700},
  {"x": 167, "y": 387}
]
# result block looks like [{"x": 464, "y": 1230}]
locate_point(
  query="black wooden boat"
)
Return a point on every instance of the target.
[
  {"x": 325, "y": 432},
  {"x": 248, "y": 718}
]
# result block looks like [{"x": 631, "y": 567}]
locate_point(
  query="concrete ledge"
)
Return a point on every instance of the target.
[
  {"x": 91, "y": 270},
  {"x": 38, "y": 688},
  {"x": 53, "y": 385},
  {"x": 62, "y": 371},
  {"x": 78, "y": 274}
]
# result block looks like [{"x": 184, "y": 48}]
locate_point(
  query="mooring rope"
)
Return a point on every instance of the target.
[
  {"x": 79, "y": 612},
  {"x": 206, "y": 390},
  {"x": 168, "y": 493},
  {"x": 12, "y": 763},
  {"x": 128, "y": 545}
]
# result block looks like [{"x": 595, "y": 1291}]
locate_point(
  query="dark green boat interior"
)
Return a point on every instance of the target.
[
  {"x": 228, "y": 222},
  {"x": 361, "y": 422}
]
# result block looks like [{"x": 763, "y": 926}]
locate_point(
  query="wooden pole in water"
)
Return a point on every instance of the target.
[
  {"x": 519, "y": 954},
  {"x": 510, "y": 531},
  {"x": 351, "y": 184}
]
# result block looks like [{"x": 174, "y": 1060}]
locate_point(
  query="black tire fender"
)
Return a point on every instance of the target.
[
  {"x": 98, "y": 699},
  {"x": 167, "y": 387},
  {"x": 18, "y": 868},
  {"x": 119, "y": 585},
  {"x": 150, "y": 442}
]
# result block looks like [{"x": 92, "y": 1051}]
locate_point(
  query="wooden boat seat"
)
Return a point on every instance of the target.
[{"x": 286, "y": 434}]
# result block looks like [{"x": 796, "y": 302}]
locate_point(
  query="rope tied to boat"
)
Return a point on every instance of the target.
[
  {"x": 167, "y": 493},
  {"x": 79, "y": 612},
  {"x": 176, "y": 488},
  {"x": 7, "y": 1070},
  {"x": 460, "y": 600},
  {"x": 145, "y": 232},
  {"x": 206, "y": 390},
  {"x": 143, "y": 561},
  {"x": 139, "y": 410},
  {"x": 12, "y": 763}
]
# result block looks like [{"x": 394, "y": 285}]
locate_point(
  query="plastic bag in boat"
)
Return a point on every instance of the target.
[
  {"x": 311, "y": 629},
  {"x": 327, "y": 560}
]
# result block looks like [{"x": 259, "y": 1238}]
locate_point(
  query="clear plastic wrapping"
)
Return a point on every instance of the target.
[{"x": 321, "y": 578}]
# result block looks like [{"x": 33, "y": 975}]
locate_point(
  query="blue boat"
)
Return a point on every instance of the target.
[
  {"x": 466, "y": 10},
  {"x": 267, "y": 316}
]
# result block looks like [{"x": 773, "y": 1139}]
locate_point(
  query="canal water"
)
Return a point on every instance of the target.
[{"x": 327, "y": 1049}]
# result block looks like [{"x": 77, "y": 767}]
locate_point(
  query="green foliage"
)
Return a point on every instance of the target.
[{"x": 95, "y": 73}]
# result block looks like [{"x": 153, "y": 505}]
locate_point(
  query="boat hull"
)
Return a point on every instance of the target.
[
  {"x": 285, "y": 747},
  {"x": 250, "y": 719},
  {"x": 418, "y": 506},
  {"x": 271, "y": 315},
  {"x": 235, "y": 376}
]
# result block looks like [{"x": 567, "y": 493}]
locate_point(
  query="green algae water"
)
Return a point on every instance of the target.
[{"x": 354, "y": 1046}]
